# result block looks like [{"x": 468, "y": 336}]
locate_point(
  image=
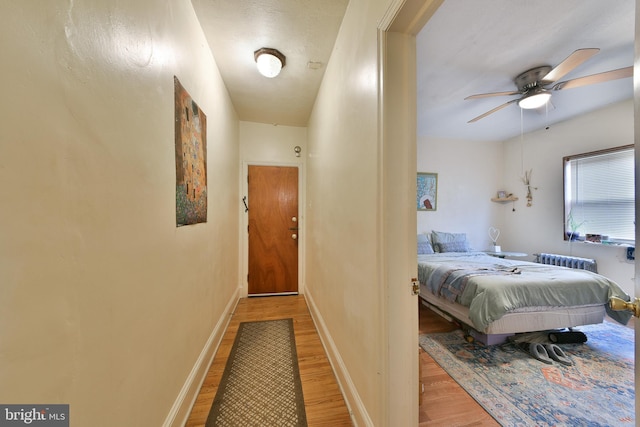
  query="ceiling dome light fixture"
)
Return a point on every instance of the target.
[
  {"x": 535, "y": 99},
  {"x": 269, "y": 61}
]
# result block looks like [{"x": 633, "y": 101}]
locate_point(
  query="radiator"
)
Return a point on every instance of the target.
[{"x": 568, "y": 261}]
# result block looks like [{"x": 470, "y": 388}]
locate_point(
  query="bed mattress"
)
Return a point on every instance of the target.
[
  {"x": 496, "y": 296},
  {"x": 527, "y": 319}
]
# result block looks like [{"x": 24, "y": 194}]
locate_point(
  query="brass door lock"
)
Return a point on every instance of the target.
[{"x": 415, "y": 286}]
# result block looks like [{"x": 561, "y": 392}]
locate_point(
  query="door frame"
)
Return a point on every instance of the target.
[
  {"x": 244, "y": 223},
  {"x": 409, "y": 17}
]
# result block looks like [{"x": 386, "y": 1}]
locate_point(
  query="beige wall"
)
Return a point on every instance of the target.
[
  {"x": 353, "y": 292},
  {"x": 342, "y": 209},
  {"x": 104, "y": 303},
  {"x": 272, "y": 144},
  {"x": 109, "y": 307},
  {"x": 266, "y": 144}
]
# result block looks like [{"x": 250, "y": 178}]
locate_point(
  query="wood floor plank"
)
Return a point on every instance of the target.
[
  {"x": 444, "y": 402},
  {"x": 324, "y": 404}
]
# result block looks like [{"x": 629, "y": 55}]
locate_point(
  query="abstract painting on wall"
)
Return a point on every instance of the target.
[{"x": 191, "y": 159}]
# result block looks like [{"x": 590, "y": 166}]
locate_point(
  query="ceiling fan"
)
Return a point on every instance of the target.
[{"x": 535, "y": 85}]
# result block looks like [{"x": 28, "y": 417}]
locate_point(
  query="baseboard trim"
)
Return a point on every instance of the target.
[
  {"x": 179, "y": 413},
  {"x": 359, "y": 414}
]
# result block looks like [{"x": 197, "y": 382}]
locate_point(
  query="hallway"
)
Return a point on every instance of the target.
[{"x": 323, "y": 399}]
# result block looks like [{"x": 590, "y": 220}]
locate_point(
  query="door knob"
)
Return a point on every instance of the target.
[
  {"x": 294, "y": 236},
  {"x": 618, "y": 304}
]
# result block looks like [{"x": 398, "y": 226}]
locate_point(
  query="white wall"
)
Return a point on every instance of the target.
[
  {"x": 539, "y": 228},
  {"x": 469, "y": 175},
  {"x": 104, "y": 304}
]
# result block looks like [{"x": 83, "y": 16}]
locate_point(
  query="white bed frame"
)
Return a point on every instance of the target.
[{"x": 530, "y": 319}]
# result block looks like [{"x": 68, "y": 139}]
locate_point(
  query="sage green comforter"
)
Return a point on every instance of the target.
[{"x": 492, "y": 286}]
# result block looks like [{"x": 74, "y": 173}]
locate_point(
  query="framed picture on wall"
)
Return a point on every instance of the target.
[
  {"x": 191, "y": 158},
  {"x": 427, "y": 194}
]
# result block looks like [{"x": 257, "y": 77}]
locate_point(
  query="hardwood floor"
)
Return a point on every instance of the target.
[
  {"x": 444, "y": 402},
  {"x": 324, "y": 404}
]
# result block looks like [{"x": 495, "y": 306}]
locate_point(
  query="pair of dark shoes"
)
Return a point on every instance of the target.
[
  {"x": 546, "y": 353},
  {"x": 567, "y": 337}
]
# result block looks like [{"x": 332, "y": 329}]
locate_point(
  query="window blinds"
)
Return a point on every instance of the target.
[{"x": 600, "y": 193}]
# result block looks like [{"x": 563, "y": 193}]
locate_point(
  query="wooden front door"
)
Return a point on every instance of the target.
[{"x": 273, "y": 229}]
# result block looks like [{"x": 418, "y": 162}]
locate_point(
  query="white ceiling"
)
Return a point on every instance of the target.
[
  {"x": 468, "y": 47},
  {"x": 471, "y": 47},
  {"x": 303, "y": 30}
]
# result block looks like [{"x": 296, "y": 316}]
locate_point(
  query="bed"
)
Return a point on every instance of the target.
[{"x": 496, "y": 297}]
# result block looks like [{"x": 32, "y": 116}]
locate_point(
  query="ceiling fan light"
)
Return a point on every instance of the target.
[
  {"x": 535, "y": 100},
  {"x": 269, "y": 61}
]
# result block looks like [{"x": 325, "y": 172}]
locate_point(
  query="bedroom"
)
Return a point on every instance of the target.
[
  {"x": 472, "y": 164},
  {"x": 470, "y": 171}
]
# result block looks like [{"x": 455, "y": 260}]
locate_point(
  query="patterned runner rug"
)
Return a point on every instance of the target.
[
  {"x": 261, "y": 384},
  {"x": 518, "y": 390}
]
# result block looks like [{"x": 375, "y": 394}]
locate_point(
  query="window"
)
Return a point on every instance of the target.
[{"x": 599, "y": 196}]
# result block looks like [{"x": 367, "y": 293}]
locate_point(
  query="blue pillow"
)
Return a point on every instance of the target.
[
  {"x": 424, "y": 245},
  {"x": 460, "y": 246},
  {"x": 445, "y": 237}
]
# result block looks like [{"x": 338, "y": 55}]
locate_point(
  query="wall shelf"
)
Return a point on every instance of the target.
[{"x": 504, "y": 199}]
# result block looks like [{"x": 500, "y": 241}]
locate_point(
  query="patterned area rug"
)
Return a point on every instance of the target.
[
  {"x": 261, "y": 384},
  {"x": 517, "y": 390}
]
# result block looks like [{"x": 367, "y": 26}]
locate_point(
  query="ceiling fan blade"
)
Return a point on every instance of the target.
[
  {"x": 571, "y": 62},
  {"x": 606, "y": 76},
  {"x": 487, "y": 95},
  {"x": 499, "y": 107}
]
